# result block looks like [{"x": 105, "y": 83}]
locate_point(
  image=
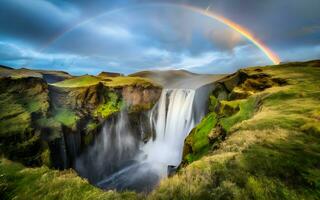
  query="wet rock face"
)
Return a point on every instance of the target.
[
  {"x": 32, "y": 116},
  {"x": 83, "y": 99},
  {"x": 87, "y": 99},
  {"x": 139, "y": 96},
  {"x": 30, "y": 85}
]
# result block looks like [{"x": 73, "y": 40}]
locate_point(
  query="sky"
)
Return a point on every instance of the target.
[{"x": 87, "y": 37}]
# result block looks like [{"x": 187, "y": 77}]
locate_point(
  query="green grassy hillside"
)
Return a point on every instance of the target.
[
  {"x": 259, "y": 141},
  {"x": 267, "y": 143},
  {"x": 17, "y": 182},
  {"x": 49, "y": 76}
]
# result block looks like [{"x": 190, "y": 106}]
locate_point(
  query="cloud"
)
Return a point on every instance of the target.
[
  {"x": 10, "y": 52},
  {"x": 34, "y": 21},
  {"x": 225, "y": 39},
  {"x": 189, "y": 63},
  {"x": 142, "y": 35}
]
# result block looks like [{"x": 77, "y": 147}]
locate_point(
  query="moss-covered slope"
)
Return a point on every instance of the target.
[
  {"x": 265, "y": 142},
  {"x": 18, "y": 182},
  {"x": 20, "y": 106}
]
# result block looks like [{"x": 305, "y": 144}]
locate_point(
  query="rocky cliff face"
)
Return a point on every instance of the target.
[
  {"x": 83, "y": 100},
  {"x": 229, "y": 104},
  {"x": 22, "y": 102},
  {"x": 140, "y": 98},
  {"x": 45, "y": 124},
  {"x": 92, "y": 105}
]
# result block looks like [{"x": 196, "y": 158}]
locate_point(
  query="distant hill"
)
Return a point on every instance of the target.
[
  {"x": 161, "y": 76},
  {"x": 109, "y": 74},
  {"x": 49, "y": 76},
  {"x": 178, "y": 78},
  {"x": 5, "y": 67}
]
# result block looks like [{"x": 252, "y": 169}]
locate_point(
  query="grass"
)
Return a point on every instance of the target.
[
  {"x": 18, "y": 138},
  {"x": 246, "y": 110},
  {"x": 120, "y": 81},
  {"x": 113, "y": 105},
  {"x": 16, "y": 110},
  {"x": 81, "y": 81},
  {"x": 272, "y": 148},
  {"x": 18, "y": 182},
  {"x": 66, "y": 117},
  {"x": 230, "y": 113},
  {"x": 198, "y": 140}
]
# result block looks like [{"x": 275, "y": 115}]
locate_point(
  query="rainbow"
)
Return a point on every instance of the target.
[
  {"x": 206, "y": 12},
  {"x": 243, "y": 31}
]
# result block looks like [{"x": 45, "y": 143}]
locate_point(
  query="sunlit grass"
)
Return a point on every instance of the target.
[
  {"x": 272, "y": 149},
  {"x": 120, "y": 81},
  {"x": 198, "y": 139},
  {"x": 113, "y": 105},
  {"x": 81, "y": 81},
  {"x": 65, "y": 116},
  {"x": 23, "y": 183}
]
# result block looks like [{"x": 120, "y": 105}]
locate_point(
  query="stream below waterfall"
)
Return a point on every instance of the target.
[{"x": 120, "y": 160}]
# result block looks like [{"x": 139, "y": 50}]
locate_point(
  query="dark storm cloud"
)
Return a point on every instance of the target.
[
  {"x": 146, "y": 34},
  {"x": 34, "y": 21}
]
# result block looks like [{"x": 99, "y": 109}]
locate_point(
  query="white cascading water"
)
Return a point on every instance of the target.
[
  {"x": 172, "y": 119},
  {"x": 112, "y": 149}
]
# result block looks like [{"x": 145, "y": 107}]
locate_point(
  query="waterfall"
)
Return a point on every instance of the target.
[
  {"x": 120, "y": 160},
  {"x": 173, "y": 118},
  {"x": 112, "y": 150}
]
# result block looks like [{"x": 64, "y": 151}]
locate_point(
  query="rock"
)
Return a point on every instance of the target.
[
  {"x": 84, "y": 100},
  {"x": 233, "y": 80},
  {"x": 35, "y": 118},
  {"x": 216, "y": 134},
  {"x": 238, "y": 93},
  {"x": 23, "y": 101},
  {"x": 226, "y": 109},
  {"x": 220, "y": 91},
  {"x": 139, "y": 97}
]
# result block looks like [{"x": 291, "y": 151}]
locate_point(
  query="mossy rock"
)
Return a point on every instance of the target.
[
  {"x": 22, "y": 102},
  {"x": 228, "y": 108},
  {"x": 239, "y": 93},
  {"x": 197, "y": 142},
  {"x": 220, "y": 92}
]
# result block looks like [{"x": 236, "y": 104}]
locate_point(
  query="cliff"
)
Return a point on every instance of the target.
[
  {"x": 43, "y": 123},
  {"x": 22, "y": 102},
  {"x": 260, "y": 140}
]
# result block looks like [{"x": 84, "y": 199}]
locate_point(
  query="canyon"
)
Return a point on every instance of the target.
[{"x": 144, "y": 137}]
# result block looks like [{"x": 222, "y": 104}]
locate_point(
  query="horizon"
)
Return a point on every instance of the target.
[{"x": 160, "y": 70}]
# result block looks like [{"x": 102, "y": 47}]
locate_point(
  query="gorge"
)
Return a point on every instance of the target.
[
  {"x": 120, "y": 159},
  {"x": 100, "y": 137},
  {"x": 124, "y": 133}
]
